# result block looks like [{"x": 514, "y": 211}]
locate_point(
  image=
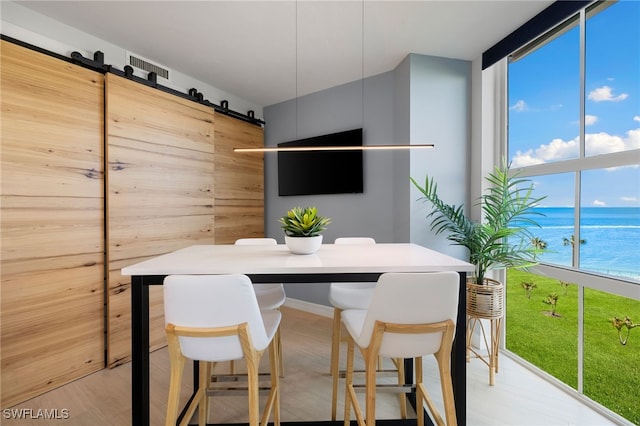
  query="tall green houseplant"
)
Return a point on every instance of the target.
[{"x": 502, "y": 239}]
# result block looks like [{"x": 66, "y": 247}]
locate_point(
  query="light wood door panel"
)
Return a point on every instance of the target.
[
  {"x": 50, "y": 226},
  {"x": 52, "y": 223},
  {"x": 239, "y": 192},
  {"x": 240, "y": 221},
  {"x": 160, "y": 186}
]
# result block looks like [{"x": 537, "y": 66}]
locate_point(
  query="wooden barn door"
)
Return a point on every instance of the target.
[
  {"x": 160, "y": 193},
  {"x": 52, "y": 223}
]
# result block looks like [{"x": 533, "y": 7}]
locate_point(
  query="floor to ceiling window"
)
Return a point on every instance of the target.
[{"x": 574, "y": 129}]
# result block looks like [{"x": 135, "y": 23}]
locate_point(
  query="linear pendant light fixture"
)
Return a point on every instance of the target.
[
  {"x": 335, "y": 148},
  {"x": 332, "y": 148}
]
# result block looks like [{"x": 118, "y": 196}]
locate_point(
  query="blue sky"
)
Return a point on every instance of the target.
[{"x": 544, "y": 106}]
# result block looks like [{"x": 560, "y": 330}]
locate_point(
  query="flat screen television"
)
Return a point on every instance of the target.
[{"x": 322, "y": 172}]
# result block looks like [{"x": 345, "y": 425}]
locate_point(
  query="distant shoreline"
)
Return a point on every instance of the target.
[{"x": 610, "y": 235}]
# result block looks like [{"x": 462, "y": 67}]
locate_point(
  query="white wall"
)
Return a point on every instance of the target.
[
  {"x": 440, "y": 114},
  {"x": 39, "y": 30}
]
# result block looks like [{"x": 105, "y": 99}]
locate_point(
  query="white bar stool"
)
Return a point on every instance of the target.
[
  {"x": 214, "y": 318},
  {"x": 411, "y": 315}
]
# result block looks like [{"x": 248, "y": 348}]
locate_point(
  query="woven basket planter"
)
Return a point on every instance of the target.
[{"x": 485, "y": 301}]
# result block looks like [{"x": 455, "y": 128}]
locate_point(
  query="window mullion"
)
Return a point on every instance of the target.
[{"x": 578, "y": 200}]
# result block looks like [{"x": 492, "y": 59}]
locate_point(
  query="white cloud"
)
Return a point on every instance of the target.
[
  {"x": 519, "y": 106},
  {"x": 598, "y": 203},
  {"x": 555, "y": 150},
  {"x": 604, "y": 143},
  {"x": 590, "y": 120},
  {"x": 604, "y": 94},
  {"x": 636, "y": 118},
  {"x": 630, "y": 199},
  {"x": 596, "y": 143},
  {"x": 633, "y": 139}
]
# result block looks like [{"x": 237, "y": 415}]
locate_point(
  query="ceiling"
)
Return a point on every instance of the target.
[{"x": 269, "y": 51}]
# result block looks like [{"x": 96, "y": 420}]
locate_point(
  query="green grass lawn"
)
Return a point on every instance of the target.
[{"x": 611, "y": 370}]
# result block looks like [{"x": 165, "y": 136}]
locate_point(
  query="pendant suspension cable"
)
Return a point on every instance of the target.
[
  {"x": 296, "y": 68},
  {"x": 362, "y": 65}
]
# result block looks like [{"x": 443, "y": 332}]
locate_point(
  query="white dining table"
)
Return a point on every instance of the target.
[{"x": 276, "y": 264}]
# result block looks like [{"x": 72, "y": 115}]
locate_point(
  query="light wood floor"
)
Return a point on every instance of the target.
[{"x": 518, "y": 398}]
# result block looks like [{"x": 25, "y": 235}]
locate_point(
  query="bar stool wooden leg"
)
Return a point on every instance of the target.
[
  {"x": 370, "y": 386},
  {"x": 273, "y": 402},
  {"x": 350, "y": 398},
  {"x": 420, "y": 396},
  {"x": 177, "y": 367},
  {"x": 399, "y": 363},
  {"x": 280, "y": 357},
  {"x": 444, "y": 366},
  {"x": 276, "y": 357},
  {"x": 252, "y": 377},
  {"x": 203, "y": 406}
]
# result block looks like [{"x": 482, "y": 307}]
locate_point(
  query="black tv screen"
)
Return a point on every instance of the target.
[{"x": 322, "y": 172}]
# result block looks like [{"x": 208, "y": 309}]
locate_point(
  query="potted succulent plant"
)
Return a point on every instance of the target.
[
  {"x": 303, "y": 229},
  {"x": 501, "y": 240}
]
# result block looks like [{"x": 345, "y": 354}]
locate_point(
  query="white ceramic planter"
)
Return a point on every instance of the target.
[{"x": 303, "y": 245}]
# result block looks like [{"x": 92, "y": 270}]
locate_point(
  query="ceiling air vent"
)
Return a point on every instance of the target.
[{"x": 140, "y": 63}]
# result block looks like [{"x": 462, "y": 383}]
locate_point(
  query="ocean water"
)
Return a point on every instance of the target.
[{"x": 611, "y": 238}]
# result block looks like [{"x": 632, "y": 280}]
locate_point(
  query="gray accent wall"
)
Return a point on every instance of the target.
[{"x": 424, "y": 100}]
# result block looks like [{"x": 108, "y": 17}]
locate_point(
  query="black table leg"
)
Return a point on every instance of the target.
[
  {"x": 140, "y": 351},
  {"x": 459, "y": 355}
]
